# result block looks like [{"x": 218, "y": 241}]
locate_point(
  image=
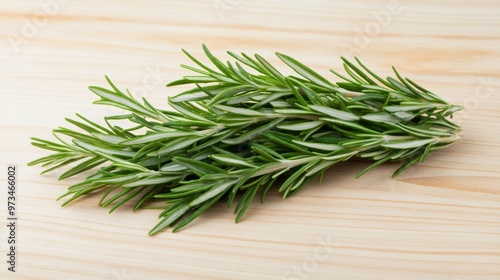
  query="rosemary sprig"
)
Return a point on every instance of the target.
[{"x": 241, "y": 127}]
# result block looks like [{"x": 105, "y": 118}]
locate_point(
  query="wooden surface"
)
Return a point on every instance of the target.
[{"x": 439, "y": 220}]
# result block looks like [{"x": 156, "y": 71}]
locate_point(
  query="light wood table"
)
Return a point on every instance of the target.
[{"x": 438, "y": 220}]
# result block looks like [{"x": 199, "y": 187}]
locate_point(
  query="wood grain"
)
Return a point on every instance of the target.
[{"x": 439, "y": 220}]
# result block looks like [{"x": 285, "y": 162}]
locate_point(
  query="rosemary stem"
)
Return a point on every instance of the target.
[
  {"x": 448, "y": 139},
  {"x": 285, "y": 164},
  {"x": 348, "y": 93},
  {"x": 439, "y": 139}
]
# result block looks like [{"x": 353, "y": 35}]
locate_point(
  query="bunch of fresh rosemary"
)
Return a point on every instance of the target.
[{"x": 241, "y": 127}]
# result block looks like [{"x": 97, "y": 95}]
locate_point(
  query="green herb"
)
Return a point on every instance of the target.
[{"x": 242, "y": 126}]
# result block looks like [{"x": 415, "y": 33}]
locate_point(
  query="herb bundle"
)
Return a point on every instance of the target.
[{"x": 241, "y": 127}]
